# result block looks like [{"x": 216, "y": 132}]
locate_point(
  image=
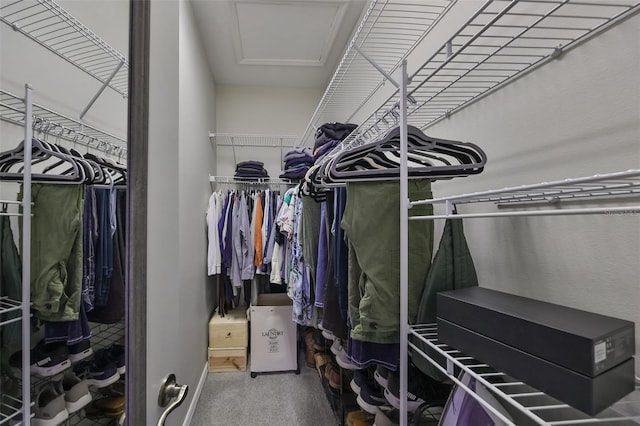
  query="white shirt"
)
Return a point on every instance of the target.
[{"x": 214, "y": 257}]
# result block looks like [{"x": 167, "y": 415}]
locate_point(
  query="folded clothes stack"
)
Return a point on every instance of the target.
[
  {"x": 296, "y": 163},
  {"x": 251, "y": 170},
  {"x": 328, "y": 136}
]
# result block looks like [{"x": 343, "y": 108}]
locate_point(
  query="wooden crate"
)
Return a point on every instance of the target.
[
  {"x": 227, "y": 360},
  {"x": 230, "y": 331}
]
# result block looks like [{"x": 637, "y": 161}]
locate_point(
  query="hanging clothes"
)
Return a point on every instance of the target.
[
  {"x": 374, "y": 256},
  {"x": 10, "y": 284},
  {"x": 214, "y": 255},
  {"x": 452, "y": 269},
  {"x": 56, "y": 235}
]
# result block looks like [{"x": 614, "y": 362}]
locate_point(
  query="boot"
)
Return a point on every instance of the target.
[{"x": 309, "y": 352}]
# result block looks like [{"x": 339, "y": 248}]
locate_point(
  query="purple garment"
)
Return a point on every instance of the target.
[
  {"x": 323, "y": 252},
  {"x": 341, "y": 253},
  {"x": 324, "y": 149},
  {"x": 299, "y": 161},
  {"x": 298, "y": 151}
]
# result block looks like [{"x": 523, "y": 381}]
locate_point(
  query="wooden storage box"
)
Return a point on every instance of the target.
[
  {"x": 227, "y": 360},
  {"x": 230, "y": 331}
]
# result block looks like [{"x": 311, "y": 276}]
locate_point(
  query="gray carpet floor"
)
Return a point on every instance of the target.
[{"x": 280, "y": 399}]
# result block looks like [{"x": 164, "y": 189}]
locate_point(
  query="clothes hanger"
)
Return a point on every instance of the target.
[
  {"x": 468, "y": 158},
  {"x": 41, "y": 151}
]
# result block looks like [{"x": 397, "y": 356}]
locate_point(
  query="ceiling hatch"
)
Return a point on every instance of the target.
[{"x": 286, "y": 32}]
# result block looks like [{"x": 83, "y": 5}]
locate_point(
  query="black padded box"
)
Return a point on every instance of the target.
[
  {"x": 582, "y": 341},
  {"x": 588, "y": 394}
]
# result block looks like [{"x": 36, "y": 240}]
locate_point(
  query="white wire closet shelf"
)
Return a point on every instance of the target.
[
  {"x": 232, "y": 180},
  {"x": 8, "y": 305},
  {"x": 253, "y": 140},
  {"x": 611, "y": 185},
  {"x": 501, "y": 41},
  {"x": 10, "y": 409},
  {"x": 49, "y": 25},
  {"x": 537, "y": 407},
  {"x": 60, "y": 126},
  {"x": 388, "y": 32}
]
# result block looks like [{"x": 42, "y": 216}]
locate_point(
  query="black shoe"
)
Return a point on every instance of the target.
[
  {"x": 371, "y": 398},
  {"x": 80, "y": 351},
  {"x": 420, "y": 389},
  {"x": 46, "y": 360},
  {"x": 361, "y": 378}
]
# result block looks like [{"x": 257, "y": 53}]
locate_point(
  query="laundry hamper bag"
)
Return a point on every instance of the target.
[{"x": 273, "y": 335}]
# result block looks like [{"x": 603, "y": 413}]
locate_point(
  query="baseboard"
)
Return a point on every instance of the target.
[{"x": 196, "y": 396}]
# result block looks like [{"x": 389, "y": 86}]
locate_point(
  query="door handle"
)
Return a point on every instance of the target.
[{"x": 170, "y": 390}]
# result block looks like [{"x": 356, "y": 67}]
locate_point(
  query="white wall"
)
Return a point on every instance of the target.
[
  {"x": 576, "y": 116},
  {"x": 196, "y": 162},
  {"x": 181, "y": 114},
  {"x": 265, "y": 111}
]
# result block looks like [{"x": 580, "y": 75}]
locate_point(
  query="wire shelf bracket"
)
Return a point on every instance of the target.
[
  {"x": 609, "y": 185},
  {"x": 57, "y": 125}
]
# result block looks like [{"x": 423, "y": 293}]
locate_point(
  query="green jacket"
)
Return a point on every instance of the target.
[{"x": 452, "y": 268}]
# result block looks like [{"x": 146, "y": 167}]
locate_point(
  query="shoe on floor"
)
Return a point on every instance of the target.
[
  {"x": 343, "y": 359},
  {"x": 109, "y": 406},
  {"x": 319, "y": 342},
  {"x": 116, "y": 354},
  {"x": 420, "y": 389},
  {"x": 382, "y": 376},
  {"x": 361, "y": 378},
  {"x": 371, "y": 399},
  {"x": 99, "y": 372},
  {"x": 49, "y": 359},
  {"x": 80, "y": 351},
  {"x": 332, "y": 374},
  {"x": 359, "y": 418},
  {"x": 308, "y": 342},
  {"x": 76, "y": 391},
  {"x": 50, "y": 407},
  {"x": 321, "y": 360}
]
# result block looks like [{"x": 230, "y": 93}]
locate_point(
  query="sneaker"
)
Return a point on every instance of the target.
[
  {"x": 371, "y": 399},
  {"x": 328, "y": 334},
  {"x": 391, "y": 417},
  {"x": 100, "y": 372},
  {"x": 381, "y": 375},
  {"x": 116, "y": 354},
  {"x": 80, "y": 351},
  {"x": 50, "y": 407},
  {"x": 361, "y": 378},
  {"x": 336, "y": 346},
  {"x": 49, "y": 360},
  {"x": 343, "y": 359},
  {"x": 76, "y": 391},
  {"x": 420, "y": 389}
]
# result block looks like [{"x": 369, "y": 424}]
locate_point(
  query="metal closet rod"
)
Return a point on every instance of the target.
[{"x": 58, "y": 130}]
